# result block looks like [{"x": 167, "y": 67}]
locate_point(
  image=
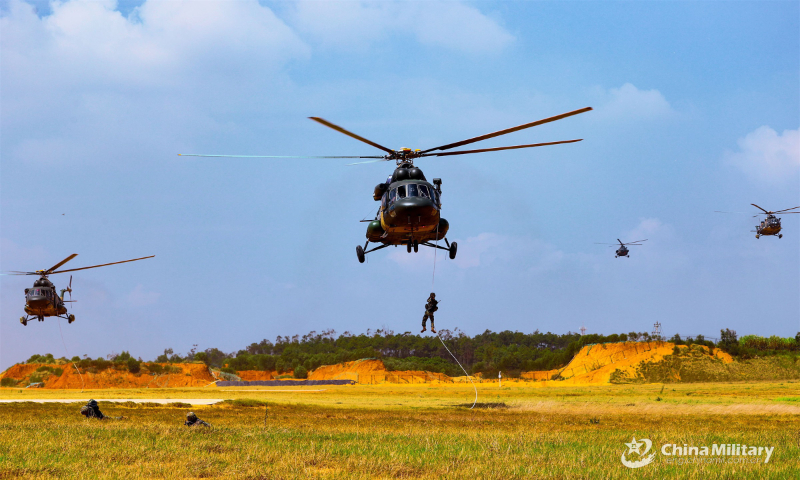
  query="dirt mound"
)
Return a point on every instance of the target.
[
  {"x": 255, "y": 375},
  {"x": 594, "y": 364},
  {"x": 187, "y": 375},
  {"x": 347, "y": 370}
]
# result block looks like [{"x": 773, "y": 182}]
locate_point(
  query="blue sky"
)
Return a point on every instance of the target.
[{"x": 697, "y": 109}]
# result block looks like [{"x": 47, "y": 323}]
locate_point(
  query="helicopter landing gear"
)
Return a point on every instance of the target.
[
  {"x": 23, "y": 321},
  {"x": 70, "y": 318},
  {"x": 780, "y": 235},
  {"x": 408, "y": 247},
  {"x": 416, "y": 246},
  {"x": 757, "y": 235},
  {"x": 453, "y": 250},
  {"x": 359, "y": 253}
]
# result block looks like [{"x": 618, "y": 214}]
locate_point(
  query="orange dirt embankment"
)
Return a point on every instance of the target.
[
  {"x": 189, "y": 375},
  {"x": 254, "y": 375},
  {"x": 369, "y": 371},
  {"x": 594, "y": 364},
  {"x": 344, "y": 371}
]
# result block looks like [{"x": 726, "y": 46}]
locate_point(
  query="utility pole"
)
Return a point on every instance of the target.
[
  {"x": 500, "y": 379},
  {"x": 656, "y": 331},
  {"x": 583, "y": 331}
]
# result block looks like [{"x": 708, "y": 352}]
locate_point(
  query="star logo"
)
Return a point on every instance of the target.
[{"x": 634, "y": 446}]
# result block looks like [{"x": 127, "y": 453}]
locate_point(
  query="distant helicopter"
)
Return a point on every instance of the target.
[
  {"x": 771, "y": 225},
  {"x": 622, "y": 251},
  {"x": 409, "y": 213},
  {"x": 41, "y": 300}
]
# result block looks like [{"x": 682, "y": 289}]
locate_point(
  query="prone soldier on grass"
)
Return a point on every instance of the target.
[{"x": 193, "y": 421}]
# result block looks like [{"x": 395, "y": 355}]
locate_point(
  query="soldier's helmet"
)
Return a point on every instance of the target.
[
  {"x": 191, "y": 417},
  {"x": 85, "y": 411},
  {"x": 433, "y": 295}
]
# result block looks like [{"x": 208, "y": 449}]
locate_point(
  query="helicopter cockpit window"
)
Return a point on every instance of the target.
[
  {"x": 401, "y": 191},
  {"x": 412, "y": 189},
  {"x": 392, "y": 195},
  {"x": 423, "y": 191}
]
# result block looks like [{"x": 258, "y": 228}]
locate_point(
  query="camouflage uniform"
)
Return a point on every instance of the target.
[
  {"x": 430, "y": 307},
  {"x": 91, "y": 410},
  {"x": 192, "y": 420}
]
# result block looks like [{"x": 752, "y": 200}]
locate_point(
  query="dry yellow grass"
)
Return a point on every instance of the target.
[{"x": 397, "y": 431}]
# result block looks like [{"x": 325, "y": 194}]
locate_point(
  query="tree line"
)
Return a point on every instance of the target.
[{"x": 486, "y": 353}]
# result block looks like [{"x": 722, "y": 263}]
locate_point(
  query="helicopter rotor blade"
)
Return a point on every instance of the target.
[
  {"x": 351, "y": 134},
  {"x": 508, "y": 130},
  {"x": 786, "y": 210},
  {"x": 743, "y": 213},
  {"x": 69, "y": 288},
  {"x": 62, "y": 262},
  {"x": 274, "y": 156},
  {"x": 382, "y": 159},
  {"x": 753, "y": 204},
  {"x": 514, "y": 147},
  {"x": 103, "y": 265},
  {"x": 637, "y": 241}
]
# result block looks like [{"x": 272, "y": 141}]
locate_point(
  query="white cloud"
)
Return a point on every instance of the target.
[
  {"x": 91, "y": 42},
  {"x": 355, "y": 25},
  {"x": 630, "y": 103},
  {"x": 767, "y": 156}
]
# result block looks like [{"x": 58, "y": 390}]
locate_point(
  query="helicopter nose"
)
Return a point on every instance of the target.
[
  {"x": 415, "y": 210},
  {"x": 37, "y": 301}
]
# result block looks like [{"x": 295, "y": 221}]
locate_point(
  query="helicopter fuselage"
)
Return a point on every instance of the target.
[
  {"x": 769, "y": 226},
  {"x": 41, "y": 300},
  {"x": 622, "y": 252},
  {"x": 410, "y": 209}
]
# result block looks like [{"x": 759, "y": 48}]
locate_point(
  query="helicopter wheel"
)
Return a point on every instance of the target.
[
  {"x": 359, "y": 253},
  {"x": 408, "y": 247},
  {"x": 780, "y": 235},
  {"x": 70, "y": 318},
  {"x": 23, "y": 321},
  {"x": 757, "y": 235},
  {"x": 453, "y": 250},
  {"x": 416, "y": 247}
]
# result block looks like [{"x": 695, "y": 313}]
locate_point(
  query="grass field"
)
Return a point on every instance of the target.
[{"x": 394, "y": 431}]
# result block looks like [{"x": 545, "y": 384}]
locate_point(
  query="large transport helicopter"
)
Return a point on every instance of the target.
[
  {"x": 410, "y": 210},
  {"x": 622, "y": 251},
  {"x": 771, "y": 225},
  {"x": 42, "y": 301}
]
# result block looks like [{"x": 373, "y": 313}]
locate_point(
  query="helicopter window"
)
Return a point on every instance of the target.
[
  {"x": 401, "y": 191},
  {"x": 412, "y": 189},
  {"x": 423, "y": 191},
  {"x": 392, "y": 195}
]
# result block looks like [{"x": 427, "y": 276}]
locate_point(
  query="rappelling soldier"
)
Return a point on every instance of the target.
[
  {"x": 193, "y": 421},
  {"x": 430, "y": 307}
]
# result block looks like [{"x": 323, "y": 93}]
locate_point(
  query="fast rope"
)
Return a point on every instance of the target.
[
  {"x": 433, "y": 281},
  {"x": 465, "y": 372},
  {"x": 67, "y": 353}
]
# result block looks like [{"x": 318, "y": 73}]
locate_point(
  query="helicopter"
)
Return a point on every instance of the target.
[
  {"x": 771, "y": 225},
  {"x": 41, "y": 300},
  {"x": 622, "y": 251},
  {"x": 409, "y": 213}
]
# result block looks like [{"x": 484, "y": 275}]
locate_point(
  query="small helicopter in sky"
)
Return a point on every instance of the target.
[
  {"x": 410, "y": 208},
  {"x": 771, "y": 225},
  {"x": 622, "y": 251},
  {"x": 41, "y": 300}
]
